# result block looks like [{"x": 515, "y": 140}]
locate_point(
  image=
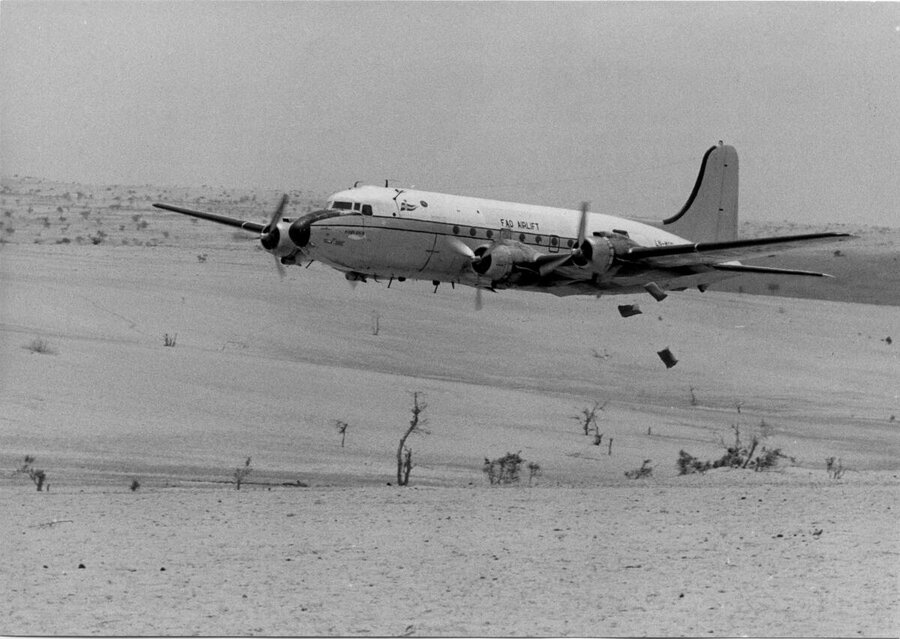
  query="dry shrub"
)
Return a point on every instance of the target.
[
  {"x": 41, "y": 346},
  {"x": 738, "y": 455},
  {"x": 646, "y": 470},
  {"x": 36, "y": 475},
  {"x": 504, "y": 470}
]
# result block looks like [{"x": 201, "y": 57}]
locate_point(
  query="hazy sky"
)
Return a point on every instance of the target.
[{"x": 549, "y": 103}]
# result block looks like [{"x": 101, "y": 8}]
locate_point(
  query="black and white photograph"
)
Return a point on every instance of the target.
[{"x": 449, "y": 319}]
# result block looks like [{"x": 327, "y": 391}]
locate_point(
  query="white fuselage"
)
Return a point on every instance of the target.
[{"x": 405, "y": 233}]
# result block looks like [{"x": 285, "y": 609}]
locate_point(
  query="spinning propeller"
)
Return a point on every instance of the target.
[{"x": 271, "y": 235}]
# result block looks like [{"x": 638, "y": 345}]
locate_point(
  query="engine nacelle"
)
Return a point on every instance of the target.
[
  {"x": 299, "y": 232},
  {"x": 498, "y": 263},
  {"x": 277, "y": 241},
  {"x": 597, "y": 254}
]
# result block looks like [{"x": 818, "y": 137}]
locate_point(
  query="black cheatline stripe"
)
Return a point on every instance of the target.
[{"x": 445, "y": 229}]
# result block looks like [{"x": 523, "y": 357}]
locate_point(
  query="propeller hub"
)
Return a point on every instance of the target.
[{"x": 270, "y": 237}]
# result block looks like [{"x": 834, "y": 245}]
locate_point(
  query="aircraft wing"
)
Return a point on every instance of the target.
[
  {"x": 712, "y": 253},
  {"x": 221, "y": 219}
]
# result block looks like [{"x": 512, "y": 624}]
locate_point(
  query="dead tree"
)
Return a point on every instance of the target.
[
  {"x": 404, "y": 453},
  {"x": 342, "y": 429}
]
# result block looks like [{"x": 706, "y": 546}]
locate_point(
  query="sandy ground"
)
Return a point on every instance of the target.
[{"x": 264, "y": 368}]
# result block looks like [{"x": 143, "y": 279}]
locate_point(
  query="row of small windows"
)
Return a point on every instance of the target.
[
  {"x": 366, "y": 209},
  {"x": 489, "y": 234}
]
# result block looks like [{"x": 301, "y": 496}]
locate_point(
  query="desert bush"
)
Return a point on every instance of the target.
[
  {"x": 646, "y": 470},
  {"x": 240, "y": 474},
  {"x": 41, "y": 346},
  {"x": 503, "y": 470},
  {"x": 688, "y": 464},
  {"x": 39, "y": 477},
  {"x": 694, "y": 401},
  {"x": 737, "y": 455},
  {"x": 768, "y": 458},
  {"x": 835, "y": 469},
  {"x": 534, "y": 470},
  {"x": 135, "y": 484},
  {"x": 588, "y": 417}
]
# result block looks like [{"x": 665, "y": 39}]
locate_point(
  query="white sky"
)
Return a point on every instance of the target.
[{"x": 550, "y": 103}]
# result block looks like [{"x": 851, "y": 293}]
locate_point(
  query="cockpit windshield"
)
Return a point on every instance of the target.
[{"x": 366, "y": 209}]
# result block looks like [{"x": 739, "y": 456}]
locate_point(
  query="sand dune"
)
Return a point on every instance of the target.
[{"x": 263, "y": 368}]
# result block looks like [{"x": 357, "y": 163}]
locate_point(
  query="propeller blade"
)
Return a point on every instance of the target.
[
  {"x": 276, "y": 216},
  {"x": 270, "y": 235},
  {"x": 279, "y": 266},
  {"x": 582, "y": 225},
  {"x": 551, "y": 265},
  {"x": 461, "y": 248}
]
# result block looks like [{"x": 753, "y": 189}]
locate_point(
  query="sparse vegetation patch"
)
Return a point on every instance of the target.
[
  {"x": 646, "y": 470},
  {"x": 834, "y": 468},
  {"x": 737, "y": 455},
  {"x": 506, "y": 469},
  {"x": 41, "y": 346},
  {"x": 588, "y": 418}
]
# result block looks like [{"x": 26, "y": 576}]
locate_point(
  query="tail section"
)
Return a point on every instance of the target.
[{"x": 711, "y": 212}]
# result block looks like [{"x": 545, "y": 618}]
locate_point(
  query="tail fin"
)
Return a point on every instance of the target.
[{"x": 711, "y": 212}]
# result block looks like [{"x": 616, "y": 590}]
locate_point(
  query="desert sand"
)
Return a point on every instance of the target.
[{"x": 321, "y": 540}]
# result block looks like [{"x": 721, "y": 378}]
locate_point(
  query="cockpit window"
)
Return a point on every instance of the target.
[
  {"x": 367, "y": 209},
  {"x": 342, "y": 205}
]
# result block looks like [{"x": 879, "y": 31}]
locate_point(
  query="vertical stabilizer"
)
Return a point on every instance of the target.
[{"x": 711, "y": 212}]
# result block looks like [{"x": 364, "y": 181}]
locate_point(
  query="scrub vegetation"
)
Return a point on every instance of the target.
[
  {"x": 39, "y": 477},
  {"x": 739, "y": 454}
]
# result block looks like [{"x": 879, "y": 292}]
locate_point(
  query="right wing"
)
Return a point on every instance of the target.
[{"x": 221, "y": 219}]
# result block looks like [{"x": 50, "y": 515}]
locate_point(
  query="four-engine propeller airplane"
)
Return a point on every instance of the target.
[{"x": 387, "y": 233}]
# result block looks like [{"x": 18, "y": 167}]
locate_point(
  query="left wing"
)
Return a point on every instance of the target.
[
  {"x": 710, "y": 253},
  {"x": 616, "y": 264}
]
